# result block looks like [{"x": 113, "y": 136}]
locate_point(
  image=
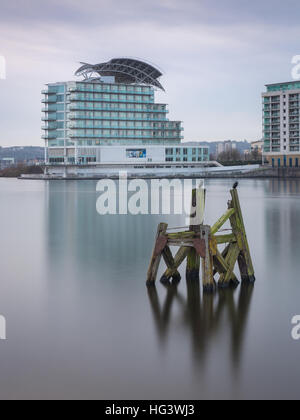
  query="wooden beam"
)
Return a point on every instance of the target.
[
  {"x": 197, "y": 207},
  {"x": 207, "y": 262},
  {"x": 193, "y": 265},
  {"x": 222, "y": 221},
  {"x": 170, "y": 263},
  {"x": 181, "y": 235},
  {"x": 221, "y": 267},
  {"x": 196, "y": 220},
  {"x": 231, "y": 259},
  {"x": 244, "y": 259},
  {"x": 224, "y": 239},
  {"x": 155, "y": 259},
  {"x": 179, "y": 258}
]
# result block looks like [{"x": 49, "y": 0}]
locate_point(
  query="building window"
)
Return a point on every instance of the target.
[{"x": 91, "y": 159}]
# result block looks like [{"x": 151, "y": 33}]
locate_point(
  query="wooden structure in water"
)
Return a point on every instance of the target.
[{"x": 199, "y": 246}]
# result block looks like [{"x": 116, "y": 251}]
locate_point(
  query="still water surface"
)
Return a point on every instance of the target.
[{"x": 81, "y": 323}]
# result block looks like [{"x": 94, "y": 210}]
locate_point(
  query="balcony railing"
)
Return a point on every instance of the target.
[
  {"x": 113, "y": 90},
  {"x": 75, "y": 116},
  {"x": 49, "y": 127},
  {"x": 111, "y": 136},
  {"x": 49, "y": 118},
  {"x": 48, "y": 109},
  {"x": 49, "y": 99},
  {"x": 127, "y": 127},
  {"x": 49, "y": 136},
  {"x": 111, "y": 109},
  {"x": 74, "y": 97}
]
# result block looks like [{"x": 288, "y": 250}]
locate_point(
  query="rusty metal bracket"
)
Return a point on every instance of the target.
[
  {"x": 160, "y": 245},
  {"x": 200, "y": 247}
]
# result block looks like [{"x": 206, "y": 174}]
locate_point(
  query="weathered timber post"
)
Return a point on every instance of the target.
[
  {"x": 207, "y": 261},
  {"x": 238, "y": 227},
  {"x": 160, "y": 243},
  {"x": 196, "y": 220}
]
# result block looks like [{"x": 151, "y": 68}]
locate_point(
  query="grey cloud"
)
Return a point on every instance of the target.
[
  {"x": 216, "y": 56},
  {"x": 167, "y": 12}
]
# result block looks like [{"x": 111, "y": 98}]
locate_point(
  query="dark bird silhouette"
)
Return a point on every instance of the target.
[{"x": 235, "y": 185}]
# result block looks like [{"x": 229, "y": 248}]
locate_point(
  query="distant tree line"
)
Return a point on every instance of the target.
[
  {"x": 17, "y": 170},
  {"x": 235, "y": 157}
]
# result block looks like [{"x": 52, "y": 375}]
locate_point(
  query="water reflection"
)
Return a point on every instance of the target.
[
  {"x": 284, "y": 186},
  {"x": 204, "y": 315}
]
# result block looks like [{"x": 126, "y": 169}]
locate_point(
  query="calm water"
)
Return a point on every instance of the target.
[{"x": 81, "y": 323}]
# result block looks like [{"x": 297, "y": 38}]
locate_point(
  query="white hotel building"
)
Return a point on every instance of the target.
[{"x": 110, "y": 120}]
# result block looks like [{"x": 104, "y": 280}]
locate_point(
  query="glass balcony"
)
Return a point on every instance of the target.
[
  {"x": 77, "y": 106},
  {"x": 49, "y": 109},
  {"x": 48, "y": 92},
  {"x": 49, "y": 99},
  {"x": 49, "y": 136},
  {"x": 76, "y": 116},
  {"x": 87, "y": 136},
  {"x": 115, "y": 89},
  {"x": 125, "y": 127},
  {"x": 75, "y": 97},
  {"x": 49, "y": 127},
  {"x": 51, "y": 117}
]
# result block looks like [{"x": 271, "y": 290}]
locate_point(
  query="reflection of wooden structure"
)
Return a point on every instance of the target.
[
  {"x": 204, "y": 316},
  {"x": 201, "y": 242}
]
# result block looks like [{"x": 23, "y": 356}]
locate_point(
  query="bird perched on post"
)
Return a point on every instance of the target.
[{"x": 235, "y": 185}]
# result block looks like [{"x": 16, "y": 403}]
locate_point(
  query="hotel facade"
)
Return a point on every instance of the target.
[
  {"x": 110, "y": 117},
  {"x": 281, "y": 129}
]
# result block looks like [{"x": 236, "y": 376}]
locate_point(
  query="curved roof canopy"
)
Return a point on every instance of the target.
[{"x": 125, "y": 70}]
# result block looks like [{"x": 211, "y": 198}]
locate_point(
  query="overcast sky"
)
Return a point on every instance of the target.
[{"x": 216, "y": 56}]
